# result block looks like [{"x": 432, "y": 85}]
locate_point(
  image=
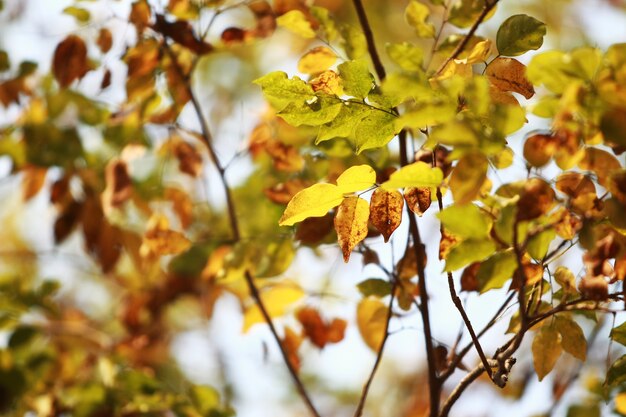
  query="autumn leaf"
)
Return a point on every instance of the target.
[
  {"x": 386, "y": 211},
  {"x": 418, "y": 199},
  {"x": 518, "y": 34},
  {"x": 160, "y": 240},
  {"x": 351, "y": 224},
  {"x": 371, "y": 318},
  {"x": 34, "y": 179},
  {"x": 317, "y": 330},
  {"x": 546, "y": 350},
  {"x": 314, "y": 201},
  {"x": 468, "y": 177},
  {"x": 316, "y": 60},
  {"x": 296, "y": 22},
  {"x": 572, "y": 337},
  {"x": 509, "y": 74},
  {"x": 291, "y": 342},
  {"x": 70, "y": 60},
  {"x": 277, "y": 300},
  {"x": 119, "y": 187},
  {"x": 418, "y": 174},
  {"x": 356, "y": 178}
]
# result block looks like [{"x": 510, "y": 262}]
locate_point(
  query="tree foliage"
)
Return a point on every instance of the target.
[{"x": 402, "y": 153}]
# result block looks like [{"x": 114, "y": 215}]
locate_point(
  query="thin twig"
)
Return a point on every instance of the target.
[
  {"x": 489, "y": 5},
  {"x": 207, "y": 139},
  {"x": 369, "y": 37},
  {"x": 460, "y": 388}
]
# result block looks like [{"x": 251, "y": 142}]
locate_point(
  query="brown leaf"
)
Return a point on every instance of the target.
[
  {"x": 119, "y": 186},
  {"x": 285, "y": 157},
  {"x": 291, "y": 343},
  {"x": 106, "y": 79},
  {"x": 140, "y": 15},
  {"x": 314, "y": 229},
  {"x": 317, "y": 331},
  {"x": 189, "y": 159},
  {"x": 265, "y": 19},
  {"x": 283, "y": 192},
  {"x": 60, "y": 192},
  {"x": 233, "y": 35},
  {"x": 537, "y": 198},
  {"x": 70, "y": 60},
  {"x": 441, "y": 158},
  {"x": 594, "y": 287},
  {"x": 386, "y": 211},
  {"x": 105, "y": 40},
  {"x": 418, "y": 199},
  {"x": 182, "y": 32},
  {"x": 447, "y": 242},
  {"x": 66, "y": 221},
  {"x": 159, "y": 239},
  {"x": 351, "y": 224},
  {"x": 10, "y": 91},
  {"x": 509, "y": 74},
  {"x": 407, "y": 266},
  {"x": 102, "y": 239},
  {"x": 469, "y": 278},
  {"x": 183, "y": 206},
  {"x": 539, "y": 148},
  {"x": 574, "y": 184},
  {"x": 601, "y": 162},
  {"x": 327, "y": 82},
  {"x": 33, "y": 180}
]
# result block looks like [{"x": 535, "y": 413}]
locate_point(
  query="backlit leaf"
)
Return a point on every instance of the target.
[
  {"x": 617, "y": 372},
  {"x": 316, "y": 60},
  {"x": 280, "y": 91},
  {"x": 619, "y": 334},
  {"x": 296, "y": 22},
  {"x": 519, "y": 34},
  {"x": 613, "y": 126},
  {"x": 351, "y": 224},
  {"x": 70, "y": 60},
  {"x": 356, "y": 77},
  {"x": 374, "y": 286},
  {"x": 468, "y": 251},
  {"x": 344, "y": 124},
  {"x": 386, "y": 211},
  {"x": 509, "y": 74},
  {"x": 539, "y": 244},
  {"x": 356, "y": 178},
  {"x": 374, "y": 131},
  {"x": 572, "y": 337},
  {"x": 418, "y": 174},
  {"x": 418, "y": 199},
  {"x": 371, "y": 317},
  {"x": 546, "y": 350},
  {"x": 317, "y": 330},
  {"x": 416, "y": 15},
  {"x": 407, "y": 56},
  {"x": 466, "y": 221},
  {"x": 465, "y": 12},
  {"x": 314, "y": 201},
  {"x": 277, "y": 300},
  {"x": 468, "y": 176},
  {"x": 314, "y": 113},
  {"x": 566, "y": 279},
  {"x": 497, "y": 270}
]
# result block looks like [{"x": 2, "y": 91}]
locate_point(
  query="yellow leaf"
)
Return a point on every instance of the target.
[
  {"x": 327, "y": 82},
  {"x": 546, "y": 350},
  {"x": 620, "y": 403},
  {"x": 386, "y": 211},
  {"x": 159, "y": 239},
  {"x": 509, "y": 74},
  {"x": 371, "y": 318},
  {"x": 418, "y": 174},
  {"x": 572, "y": 337},
  {"x": 480, "y": 52},
  {"x": 316, "y": 60},
  {"x": 351, "y": 224},
  {"x": 277, "y": 300},
  {"x": 314, "y": 201},
  {"x": 295, "y": 21},
  {"x": 356, "y": 178},
  {"x": 468, "y": 176},
  {"x": 452, "y": 68}
]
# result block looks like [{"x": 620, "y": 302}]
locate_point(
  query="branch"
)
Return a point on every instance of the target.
[
  {"x": 489, "y": 5},
  {"x": 369, "y": 37},
  {"x": 207, "y": 139},
  {"x": 460, "y": 388},
  {"x": 379, "y": 355}
]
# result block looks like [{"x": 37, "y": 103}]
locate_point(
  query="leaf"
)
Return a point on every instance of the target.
[
  {"x": 314, "y": 113},
  {"x": 572, "y": 337},
  {"x": 509, "y": 74},
  {"x": 619, "y": 334},
  {"x": 319, "y": 332},
  {"x": 418, "y": 174},
  {"x": 617, "y": 373},
  {"x": 374, "y": 286},
  {"x": 317, "y": 60},
  {"x": 566, "y": 279},
  {"x": 539, "y": 149},
  {"x": 296, "y": 22},
  {"x": 374, "y": 131},
  {"x": 81, "y": 15},
  {"x": 407, "y": 56},
  {"x": 371, "y": 318},
  {"x": 386, "y": 211},
  {"x": 465, "y": 12},
  {"x": 466, "y": 221},
  {"x": 620, "y": 403},
  {"x": 416, "y": 15},
  {"x": 281, "y": 91},
  {"x": 70, "y": 60},
  {"x": 455, "y": 133},
  {"x": 105, "y": 40},
  {"x": 468, "y": 251},
  {"x": 314, "y": 201},
  {"x": 182, "y": 33},
  {"x": 356, "y": 178},
  {"x": 351, "y": 224},
  {"x": 343, "y": 125},
  {"x": 518, "y": 34},
  {"x": 277, "y": 300},
  {"x": 328, "y": 82},
  {"x": 291, "y": 342},
  {"x": 468, "y": 176},
  {"x": 546, "y": 350},
  {"x": 613, "y": 126},
  {"x": 159, "y": 239},
  {"x": 539, "y": 244},
  {"x": 418, "y": 199},
  {"x": 33, "y": 180},
  {"x": 430, "y": 113},
  {"x": 497, "y": 270},
  {"x": 356, "y": 77}
]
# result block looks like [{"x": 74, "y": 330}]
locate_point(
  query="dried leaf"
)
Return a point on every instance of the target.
[
  {"x": 160, "y": 240},
  {"x": 291, "y": 342},
  {"x": 546, "y": 350},
  {"x": 183, "y": 206},
  {"x": 317, "y": 60},
  {"x": 189, "y": 159},
  {"x": 351, "y": 224},
  {"x": 314, "y": 229},
  {"x": 418, "y": 199},
  {"x": 509, "y": 74},
  {"x": 317, "y": 331},
  {"x": 70, "y": 60},
  {"x": 119, "y": 187},
  {"x": 33, "y": 180},
  {"x": 105, "y": 40},
  {"x": 182, "y": 32},
  {"x": 327, "y": 82},
  {"x": 140, "y": 15},
  {"x": 386, "y": 211}
]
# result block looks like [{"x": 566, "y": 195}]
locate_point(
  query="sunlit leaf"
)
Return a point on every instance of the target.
[
  {"x": 566, "y": 279},
  {"x": 416, "y": 15},
  {"x": 356, "y": 78},
  {"x": 314, "y": 201},
  {"x": 546, "y": 350},
  {"x": 371, "y": 317},
  {"x": 280, "y": 91},
  {"x": 70, "y": 60},
  {"x": 418, "y": 174},
  {"x": 468, "y": 251},
  {"x": 314, "y": 113},
  {"x": 617, "y": 372},
  {"x": 407, "y": 56},
  {"x": 316, "y": 60},
  {"x": 572, "y": 337},
  {"x": 374, "y": 286},
  {"x": 351, "y": 224},
  {"x": 509, "y": 74},
  {"x": 317, "y": 330},
  {"x": 466, "y": 221},
  {"x": 296, "y": 22},
  {"x": 518, "y": 34},
  {"x": 465, "y": 12},
  {"x": 356, "y": 178},
  {"x": 277, "y": 300},
  {"x": 418, "y": 199},
  {"x": 468, "y": 177},
  {"x": 497, "y": 270},
  {"x": 386, "y": 211},
  {"x": 374, "y": 131}
]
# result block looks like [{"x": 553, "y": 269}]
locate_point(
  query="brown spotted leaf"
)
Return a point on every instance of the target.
[
  {"x": 70, "y": 60},
  {"x": 189, "y": 159},
  {"x": 509, "y": 74},
  {"x": 351, "y": 224},
  {"x": 418, "y": 199},
  {"x": 386, "y": 211}
]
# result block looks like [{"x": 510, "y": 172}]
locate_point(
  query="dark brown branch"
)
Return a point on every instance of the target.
[
  {"x": 207, "y": 139},
  {"x": 369, "y": 37},
  {"x": 460, "y": 388},
  {"x": 489, "y": 5},
  {"x": 379, "y": 355}
]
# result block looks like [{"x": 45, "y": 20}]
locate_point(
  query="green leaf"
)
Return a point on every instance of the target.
[
  {"x": 551, "y": 69},
  {"x": 356, "y": 178},
  {"x": 314, "y": 201},
  {"x": 5, "y": 62},
  {"x": 455, "y": 133},
  {"x": 584, "y": 410},
  {"x": 406, "y": 55},
  {"x": 354, "y": 41},
  {"x": 497, "y": 270},
  {"x": 418, "y": 174},
  {"x": 344, "y": 124},
  {"x": 374, "y": 286},
  {"x": 617, "y": 372},
  {"x": 327, "y": 24},
  {"x": 401, "y": 86},
  {"x": 539, "y": 244},
  {"x": 427, "y": 114},
  {"x": 546, "y": 350},
  {"x": 22, "y": 336},
  {"x": 466, "y": 221},
  {"x": 518, "y": 34},
  {"x": 81, "y": 15},
  {"x": 619, "y": 334},
  {"x": 205, "y": 398},
  {"x": 281, "y": 91},
  {"x": 296, "y": 22},
  {"x": 572, "y": 337},
  {"x": 416, "y": 15},
  {"x": 465, "y": 12},
  {"x": 312, "y": 113},
  {"x": 357, "y": 79},
  {"x": 374, "y": 131},
  {"x": 468, "y": 251}
]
